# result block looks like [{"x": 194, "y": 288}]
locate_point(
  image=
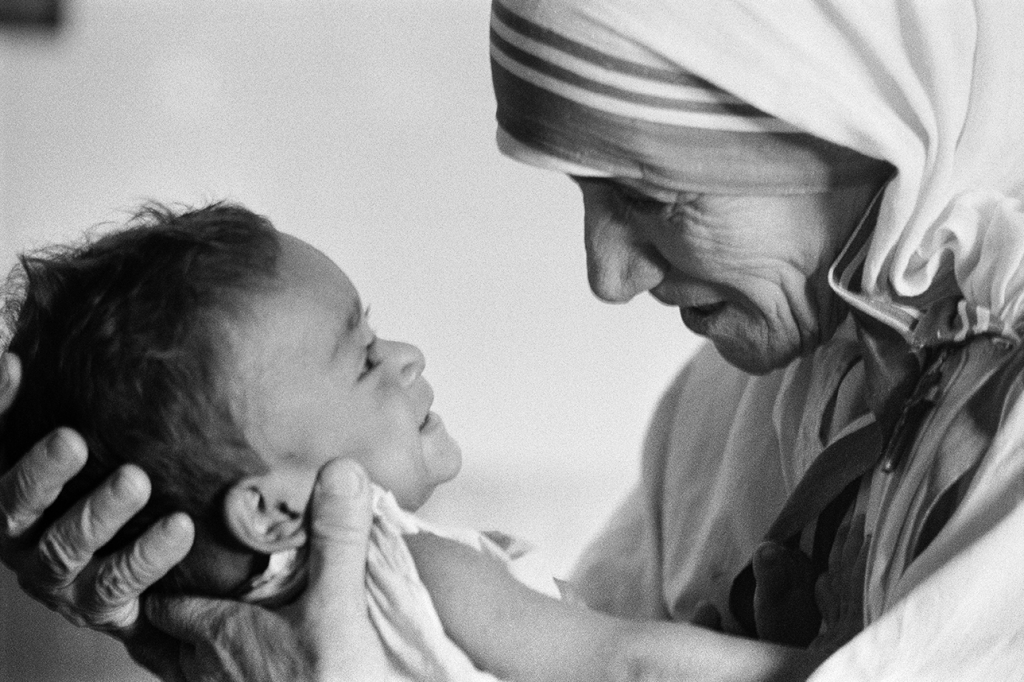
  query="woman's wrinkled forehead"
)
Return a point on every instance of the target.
[{"x": 579, "y": 92}]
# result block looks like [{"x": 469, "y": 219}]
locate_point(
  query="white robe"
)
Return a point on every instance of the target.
[
  {"x": 724, "y": 451},
  {"x": 936, "y": 89}
]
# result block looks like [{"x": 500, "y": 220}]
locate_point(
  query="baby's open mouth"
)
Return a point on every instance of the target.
[{"x": 431, "y": 424}]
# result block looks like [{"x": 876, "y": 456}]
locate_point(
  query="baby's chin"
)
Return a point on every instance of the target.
[
  {"x": 441, "y": 467},
  {"x": 445, "y": 463},
  {"x": 442, "y": 456}
]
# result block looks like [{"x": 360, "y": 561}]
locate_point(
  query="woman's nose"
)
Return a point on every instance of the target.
[
  {"x": 620, "y": 262},
  {"x": 406, "y": 358}
]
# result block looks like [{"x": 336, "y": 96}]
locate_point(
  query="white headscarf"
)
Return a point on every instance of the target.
[{"x": 934, "y": 87}]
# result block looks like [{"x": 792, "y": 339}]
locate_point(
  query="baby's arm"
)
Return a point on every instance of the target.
[
  {"x": 504, "y": 626},
  {"x": 518, "y": 634}
]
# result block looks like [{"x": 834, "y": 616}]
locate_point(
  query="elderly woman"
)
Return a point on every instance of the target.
[
  {"x": 830, "y": 194},
  {"x": 728, "y": 154}
]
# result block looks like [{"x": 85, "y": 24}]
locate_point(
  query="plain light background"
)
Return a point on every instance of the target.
[{"x": 366, "y": 128}]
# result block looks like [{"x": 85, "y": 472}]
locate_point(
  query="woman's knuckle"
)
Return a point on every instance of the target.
[
  {"x": 114, "y": 618},
  {"x": 73, "y": 616},
  {"x": 9, "y": 525},
  {"x": 115, "y": 584},
  {"x": 58, "y": 564},
  {"x": 141, "y": 564},
  {"x": 18, "y": 512},
  {"x": 111, "y": 603}
]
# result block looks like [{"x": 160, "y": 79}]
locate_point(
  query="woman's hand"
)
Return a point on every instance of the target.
[
  {"x": 840, "y": 591},
  {"x": 61, "y": 570},
  {"x": 326, "y": 635},
  {"x": 785, "y": 610}
]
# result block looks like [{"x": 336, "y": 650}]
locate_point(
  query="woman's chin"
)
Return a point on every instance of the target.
[
  {"x": 756, "y": 345},
  {"x": 756, "y": 359}
]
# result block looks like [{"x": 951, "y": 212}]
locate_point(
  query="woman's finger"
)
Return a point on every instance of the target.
[
  {"x": 854, "y": 542},
  {"x": 155, "y": 650},
  {"x": 35, "y": 481},
  {"x": 835, "y": 554},
  {"x": 707, "y": 615},
  {"x": 10, "y": 379},
  {"x": 195, "y": 620},
  {"x": 123, "y": 577},
  {"x": 827, "y": 599},
  {"x": 340, "y": 519},
  {"x": 234, "y": 642},
  {"x": 335, "y": 617},
  {"x": 70, "y": 542},
  {"x": 772, "y": 568}
]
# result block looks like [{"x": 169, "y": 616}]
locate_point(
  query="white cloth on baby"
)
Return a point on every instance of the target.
[{"x": 400, "y": 606}]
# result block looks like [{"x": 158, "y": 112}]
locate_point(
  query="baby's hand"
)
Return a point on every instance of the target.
[{"x": 840, "y": 591}]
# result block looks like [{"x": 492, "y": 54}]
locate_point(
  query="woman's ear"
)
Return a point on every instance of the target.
[{"x": 263, "y": 516}]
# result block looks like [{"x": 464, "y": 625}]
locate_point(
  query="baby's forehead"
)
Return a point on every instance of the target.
[
  {"x": 299, "y": 256},
  {"x": 312, "y": 315}
]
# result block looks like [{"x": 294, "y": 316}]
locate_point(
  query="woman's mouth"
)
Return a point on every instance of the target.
[{"x": 698, "y": 318}]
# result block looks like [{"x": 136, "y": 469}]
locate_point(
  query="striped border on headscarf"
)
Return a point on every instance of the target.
[
  {"x": 616, "y": 85},
  {"x": 568, "y": 105}
]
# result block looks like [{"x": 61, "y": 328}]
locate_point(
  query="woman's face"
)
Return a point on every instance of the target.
[{"x": 747, "y": 272}]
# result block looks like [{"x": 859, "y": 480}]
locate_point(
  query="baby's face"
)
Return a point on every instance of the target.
[{"x": 316, "y": 383}]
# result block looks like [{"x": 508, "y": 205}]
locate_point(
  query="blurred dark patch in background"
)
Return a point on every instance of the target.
[{"x": 44, "y": 15}]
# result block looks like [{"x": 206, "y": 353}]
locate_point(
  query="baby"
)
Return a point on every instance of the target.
[{"x": 230, "y": 361}]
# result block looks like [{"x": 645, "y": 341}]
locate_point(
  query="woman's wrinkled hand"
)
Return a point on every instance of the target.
[
  {"x": 61, "y": 571},
  {"x": 785, "y": 611},
  {"x": 840, "y": 591},
  {"x": 326, "y": 635}
]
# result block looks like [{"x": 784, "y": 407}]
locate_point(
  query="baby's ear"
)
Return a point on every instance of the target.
[{"x": 263, "y": 515}]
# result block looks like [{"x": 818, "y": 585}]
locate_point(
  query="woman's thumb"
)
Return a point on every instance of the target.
[{"x": 340, "y": 519}]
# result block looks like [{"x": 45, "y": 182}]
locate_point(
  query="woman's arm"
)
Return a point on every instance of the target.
[{"x": 519, "y": 634}]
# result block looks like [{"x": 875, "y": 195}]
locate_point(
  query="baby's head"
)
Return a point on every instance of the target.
[{"x": 228, "y": 360}]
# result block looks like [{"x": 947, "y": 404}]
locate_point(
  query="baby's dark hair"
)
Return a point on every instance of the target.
[{"x": 126, "y": 339}]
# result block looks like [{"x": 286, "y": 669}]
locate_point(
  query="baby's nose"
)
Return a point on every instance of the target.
[{"x": 408, "y": 360}]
